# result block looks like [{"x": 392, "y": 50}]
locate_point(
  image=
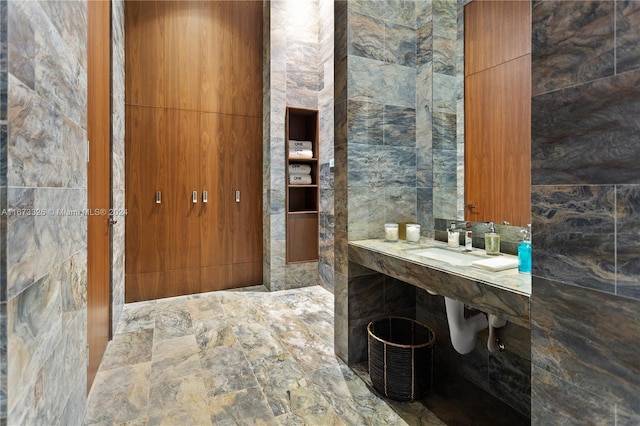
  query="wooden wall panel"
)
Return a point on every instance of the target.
[
  {"x": 495, "y": 32},
  {"x": 146, "y": 171},
  {"x": 231, "y": 82},
  {"x": 183, "y": 144},
  {"x": 247, "y": 178},
  {"x": 302, "y": 249},
  {"x": 216, "y": 142},
  {"x": 198, "y": 65},
  {"x": 145, "y": 50},
  {"x": 498, "y": 143}
]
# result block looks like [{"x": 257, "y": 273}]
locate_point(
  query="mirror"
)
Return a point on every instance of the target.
[{"x": 488, "y": 89}]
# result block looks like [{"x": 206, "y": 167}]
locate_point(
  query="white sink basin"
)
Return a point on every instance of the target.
[{"x": 452, "y": 257}]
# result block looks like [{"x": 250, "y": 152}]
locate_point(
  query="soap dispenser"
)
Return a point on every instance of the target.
[
  {"x": 492, "y": 241},
  {"x": 524, "y": 251},
  {"x": 453, "y": 236}
]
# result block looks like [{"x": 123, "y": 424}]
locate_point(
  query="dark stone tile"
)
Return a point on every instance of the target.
[
  {"x": 424, "y": 44},
  {"x": 3, "y": 155},
  {"x": 366, "y": 37},
  {"x": 398, "y": 296},
  {"x": 627, "y": 242},
  {"x": 444, "y": 56},
  {"x": 399, "y": 126},
  {"x": 572, "y": 43},
  {"x": 381, "y": 166},
  {"x": 510, "y": 379},
  {"x": 444, "y": 169},
  {"x": 400, "y": 45},
  {"x": 588, "y": 339},
  {"x": 366, "y": 297},
  {"x": 444, "y": 133},
  {"x": 585, "y": 134},
  {"x": 22, "y": 49},
  {"x": 574, "y": 235},
  {"x": 366, "y": 122},
  {"x": 627, "y": 37},
  {"x": 424, "y": 213},
  {"x": 565, "y": 403}
]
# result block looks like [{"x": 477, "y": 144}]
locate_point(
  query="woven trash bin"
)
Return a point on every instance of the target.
[{"x": 400, "y": 357}]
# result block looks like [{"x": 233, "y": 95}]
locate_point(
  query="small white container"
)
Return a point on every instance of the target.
[
  {"x": 391, "y": 232},
  {"x": 413, "y": 233}
]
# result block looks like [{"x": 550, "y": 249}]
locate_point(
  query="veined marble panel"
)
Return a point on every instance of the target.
[
  {"x": 424, "y": 213},
  {"x": 69, "y": 18},
  {"x": 574, "y": 235},
  {"x": 366, "y": 37},
  {"x": 3, "y": 360},
  {"x": 366, "y": 212},
  {"x": 424, "y": 44},
  {"x": 381, "y": 166},
  {"x": 444, "y": 55},
  {"x": 627, "y": 246},
  {"x": 400, "y": 44},
  {"x": 22, "y": 47},
  {"x": 301, "y": 275},
  {"x": 21, "y": 259},
  {"x": 572, "y": 43},
  {"x": 399, "y": 205},
  {"x": 399, "y": 126},
  {"x": 39, "y": 134},
  {"x": 445, "y": 90},
  {"x": 573, "y": 126},
  {"x": 587, "y": 338},
  {"x": 33, "y": 330},
  {"x": 444, "y": 133},
  {"x": 627, "y": 23},
  {"x": 424, "y": 106},
  {"x": 302, "y": 20},
  {"x": 365, "y": 122},
  {"x": 445, "y": 19}
]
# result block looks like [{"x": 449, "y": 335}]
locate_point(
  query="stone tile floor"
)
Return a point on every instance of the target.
[{"x": 236, "y": 357}]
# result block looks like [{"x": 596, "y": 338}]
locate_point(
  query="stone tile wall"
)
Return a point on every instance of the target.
[
  {"x": 299, "y": 73},
  {"x": 586, "y": 187},
  {"x": 46, "y": 169}
]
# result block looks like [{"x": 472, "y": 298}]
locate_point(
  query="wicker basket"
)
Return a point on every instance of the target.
[{"x": 400, "y": 357}]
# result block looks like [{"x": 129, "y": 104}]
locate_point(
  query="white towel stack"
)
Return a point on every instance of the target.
[
  {"x": 300, "y": 174},
  {"x": 300, "y": 149}
]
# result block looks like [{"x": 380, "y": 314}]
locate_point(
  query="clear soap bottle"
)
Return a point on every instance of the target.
[
  {"x": 524, "y": 251},
  {"x": 492, "y": 241},
  {"x": 453, "y": 237}
]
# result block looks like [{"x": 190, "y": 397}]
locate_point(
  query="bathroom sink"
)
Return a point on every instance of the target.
[{"x": 452, "y": 257}]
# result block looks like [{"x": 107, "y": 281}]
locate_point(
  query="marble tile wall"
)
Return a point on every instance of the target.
[
  {"x": 505, "y": 375},
  {"x": 299, "y": 73},
  {"x": 585, "y": 295},
  {"x": 3, "y": 206},
  {"x": 117, "y": 157},
  {"x": 46, "y": 170}
]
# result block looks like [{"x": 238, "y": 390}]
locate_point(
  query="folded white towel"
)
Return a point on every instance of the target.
[
  {"x": 293, "y": 145},
  {"x": 301, "y": 169},
  {"x": 299, "y": 179},
  {"x": 496, "y": 264},
  {"x": 302, "y": 153}
]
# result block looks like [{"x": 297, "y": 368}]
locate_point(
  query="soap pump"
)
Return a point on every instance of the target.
[
  {"x": 453, "y": 239},
  {"x": 492, "y": 240},
  {"x": 524, "y": 251}
]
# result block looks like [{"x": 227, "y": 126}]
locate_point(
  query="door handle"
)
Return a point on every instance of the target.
[
  {"x": 112, "y": 221},
  {"x": 158, "y": 197},
  {"x": 471, "y": 206},
  {"x": 205, "y": 197},
  {"x": 237, "y": 196},
  {"x": 194, "y": 197}
]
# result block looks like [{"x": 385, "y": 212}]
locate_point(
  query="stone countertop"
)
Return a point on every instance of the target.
[{"x": 504, "y": 293}]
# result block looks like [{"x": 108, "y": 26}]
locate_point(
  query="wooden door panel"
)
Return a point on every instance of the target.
[
  {"x": 184, "y": 28},
  {"x": 216, "y": 235},
  {"x": 145, "y": 52},
  {"x": 495, "y": 32},
  {"x": 246, "y": 222},
  {"x": 299, "y": 249},
  {"x": 179, "y": 282},
  {"x": 98, "y": 183},
  {"x": 147, "y": 286},
  {"x": 146, "y": 171},
  {"x": 214, "y": 278},
  {"x": 232, "y": 76},
  {"x": 246, "y": 274},
  {"x": 183, "y": 177},
  {"x": 497, "y": 144}
]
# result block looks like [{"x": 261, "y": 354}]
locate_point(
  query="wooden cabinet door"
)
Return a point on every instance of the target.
[
  {"x": 146, "y": 168},
  {"x": 246, "y": 224}
]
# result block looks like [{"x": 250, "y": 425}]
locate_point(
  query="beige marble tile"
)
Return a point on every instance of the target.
[
  {"x": 246, "y": 407},
  {"x": 180, "y": 401},
  {"x": 129, "y": 348}
]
